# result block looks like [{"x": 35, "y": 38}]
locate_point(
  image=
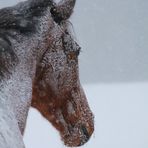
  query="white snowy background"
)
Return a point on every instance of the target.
[{"x": 114, "y": 72}]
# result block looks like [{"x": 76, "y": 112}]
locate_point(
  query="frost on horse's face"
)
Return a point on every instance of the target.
[
  {"x": 40, "y": 44},
  {"x": 58, "y": 94}
]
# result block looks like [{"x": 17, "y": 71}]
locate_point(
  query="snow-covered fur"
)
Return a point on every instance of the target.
[{"x": 39, "y": 67}]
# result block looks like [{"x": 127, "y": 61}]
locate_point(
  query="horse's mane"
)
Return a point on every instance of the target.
[
  {"x": 18, "y": 18},
  {"x": 21, "y": 16}
]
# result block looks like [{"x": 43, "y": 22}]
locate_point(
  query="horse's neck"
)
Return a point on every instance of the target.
[
  {"x": 15, "y": 99},
  {"x": 10, "y": 136},
  {"x": 17, "y": 93}
]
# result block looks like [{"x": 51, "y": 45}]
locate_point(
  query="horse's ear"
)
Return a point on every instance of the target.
[{"x": 63, "y": 10}]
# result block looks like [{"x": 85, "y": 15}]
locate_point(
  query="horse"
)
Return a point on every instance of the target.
[{"x": 39, "y": 68}]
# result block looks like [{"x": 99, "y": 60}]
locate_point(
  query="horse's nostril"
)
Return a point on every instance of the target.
[{"x": 85, "y": 134}]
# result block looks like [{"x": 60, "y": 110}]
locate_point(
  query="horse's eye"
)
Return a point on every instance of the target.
[
  {"x": 72, "y": 56},
  {"x": 78, "y": 51},
  {"x": 78, "y": 48}
]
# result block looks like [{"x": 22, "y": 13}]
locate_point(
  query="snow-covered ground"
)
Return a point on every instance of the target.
[{"x": 121, "y": 119}]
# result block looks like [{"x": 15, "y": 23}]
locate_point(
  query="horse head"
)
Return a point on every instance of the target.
[{"x": 57, "y": 92}]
